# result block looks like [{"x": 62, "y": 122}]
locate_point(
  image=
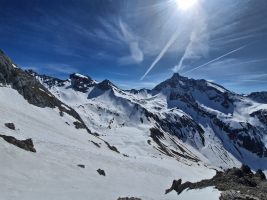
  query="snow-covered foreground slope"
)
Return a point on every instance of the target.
[{"x": 52, "y": 172}]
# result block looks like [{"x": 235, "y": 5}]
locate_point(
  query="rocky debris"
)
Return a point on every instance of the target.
[
  {"x": 10, "y": 126},
  {"x": 235, "y": 183},
  {"x": 128, "y": 198},
  {"x": 96, "y": 144},
  {"x": 112, "y": 148},
  {"x": 23, "y": 144},
  {"x": 101, "y": 172},
  {"x": 235, "y": 195},
  {"x": 81, "y": 166}
]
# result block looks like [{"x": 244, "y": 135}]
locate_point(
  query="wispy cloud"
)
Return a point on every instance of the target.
[
  {"x": 214, "y": 60},
  {"x": 52, "y": 68},
  {"x": 198, "y": 45},
  {"x": 136, "y": 54}
]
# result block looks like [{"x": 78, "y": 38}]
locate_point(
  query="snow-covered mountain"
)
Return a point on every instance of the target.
[
  {"x": 142, "y": 139},
  {"x": 212, "y": 122}
]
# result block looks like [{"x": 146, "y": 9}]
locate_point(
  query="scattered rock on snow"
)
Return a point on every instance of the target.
[
  {"x": 10, "y": 126},
  {"x": 23, "y": 144},
  {"x": 112, "y": 148},
  {"x": 128, "y": 198},
  {"x": 96, "y": 144},
  {"x": 101, "y": 172},
  {"x": 81, "y": 166}
]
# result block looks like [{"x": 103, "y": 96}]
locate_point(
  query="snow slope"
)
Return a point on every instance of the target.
[{"x": 52, "y": 172}]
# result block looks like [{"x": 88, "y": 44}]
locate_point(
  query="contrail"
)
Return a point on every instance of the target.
[
  {"x": 231, "y": 52},
  {"x": 167, "y": 46}
]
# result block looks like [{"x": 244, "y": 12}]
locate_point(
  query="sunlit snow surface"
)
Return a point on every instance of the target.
[
  {"x": 208, "y": 193},
  {"x": 52, "y": 172}
]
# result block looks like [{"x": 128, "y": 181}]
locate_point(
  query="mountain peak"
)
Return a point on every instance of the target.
[
  {"x": 80, "y": 82},
  {"x": 106, "y": 85},
  {"x": 177, "y": 76},
  {"x": 79, "y": 76}
]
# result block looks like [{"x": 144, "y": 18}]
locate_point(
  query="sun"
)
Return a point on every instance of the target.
[{"x": 185, "y": 4}]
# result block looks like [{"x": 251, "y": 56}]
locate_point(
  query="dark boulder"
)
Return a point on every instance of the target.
[
  {"x": 101, "y": 172},
  {"x": 128, "y": 198},
  {"x": 10, "y": 126},
  {"x": 81, "y": 166},
  {"x": 112, "y": 148},
  {"x": 23, "y": 144}
]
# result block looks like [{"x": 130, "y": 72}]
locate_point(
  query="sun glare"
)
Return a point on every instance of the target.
[{"x": 185, "y": 4}]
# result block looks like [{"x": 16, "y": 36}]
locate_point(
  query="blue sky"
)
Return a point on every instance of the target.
[{"x": 120, "y": 39}]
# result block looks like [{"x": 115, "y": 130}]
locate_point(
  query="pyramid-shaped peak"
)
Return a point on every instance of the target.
[{"x": 177, "y": 76}]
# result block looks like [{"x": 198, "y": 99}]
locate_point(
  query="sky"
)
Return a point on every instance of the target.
[{"x": 137, "y": 43}]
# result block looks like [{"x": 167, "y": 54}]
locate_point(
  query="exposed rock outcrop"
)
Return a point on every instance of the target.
[
  {"x": 234, "y": 183},
  {"x": 81, "y": 166},
  {"x": 31, "y": 89},
  {"x": 23, "y": 144},
  {"x": 10, "y": 126}
]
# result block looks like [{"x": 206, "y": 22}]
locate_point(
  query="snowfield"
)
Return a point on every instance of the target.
[{"x": 52, "y": 172}]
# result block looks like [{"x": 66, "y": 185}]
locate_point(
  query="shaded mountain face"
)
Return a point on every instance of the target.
[
  {"x": 260, "y": 97},
  {"x": 81, "y": 83},
  {"x": 211, "y": 105}
]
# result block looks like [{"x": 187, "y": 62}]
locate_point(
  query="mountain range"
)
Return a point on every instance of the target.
[{"x": 143, "y": 139}]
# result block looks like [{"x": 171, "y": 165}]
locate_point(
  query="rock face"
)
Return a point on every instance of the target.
[
  {"x": 30, "y": 88},
  {"x": 260, "y": 97},
  {"x": 10, "y": 126},
  {"x": 261, "y": 115},
  {"x": 80, "y": 82},
  {"x": 23, "y": 144},
  {"x": 212, "y": 105},
  {"x": 235, "y": 184}
]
